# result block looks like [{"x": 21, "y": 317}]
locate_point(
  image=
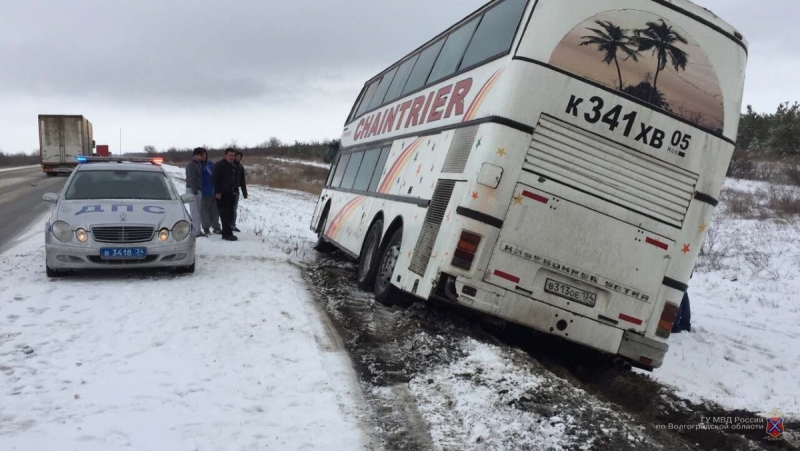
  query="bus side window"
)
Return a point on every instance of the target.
[
  {"x": 367, "y": 98},
  {"x": 332, "y": 171},
  {"x": 380, "y": 93},
  {"x": 352, "y": 170},
  {"x": 400, "y": 79},
  {"x": 342, "y": 165},
  {"x": 376, "y": 177},
  {"x": 423, "y": 67},
  {"x": 453, "y": 51},
  {"x": 367, "y": 168},
  {"x": 495, "y": 33}
]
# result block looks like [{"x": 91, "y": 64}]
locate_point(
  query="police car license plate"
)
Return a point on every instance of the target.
[
  {"x": 123, "y": 253},
  {"x": 569, "y": 292}
]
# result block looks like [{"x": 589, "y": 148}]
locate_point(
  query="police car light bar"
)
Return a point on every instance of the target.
[{"x": 87, "y": 159}]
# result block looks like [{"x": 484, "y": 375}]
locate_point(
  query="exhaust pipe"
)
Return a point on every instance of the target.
[
  {"x": 626, "y": 366},
  {"x": 619, "y": 362}
]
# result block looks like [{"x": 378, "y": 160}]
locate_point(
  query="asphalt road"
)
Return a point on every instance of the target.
[{"x": 21, "y": 201}]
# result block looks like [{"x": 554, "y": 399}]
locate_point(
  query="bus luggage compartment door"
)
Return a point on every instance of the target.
[{"x": 569, "y": 256}]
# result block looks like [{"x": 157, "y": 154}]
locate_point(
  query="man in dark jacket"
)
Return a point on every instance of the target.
[
  {"x": 241, "y": 185},
  {"x": 225, "y": 187},
  {"x": 209, "y": 213},
  {"x": 194, "y": 185}
]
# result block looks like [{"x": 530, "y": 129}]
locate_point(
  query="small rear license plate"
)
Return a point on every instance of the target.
[
  {"x": 123, "y": 253},
  {"x": 569, "y": 292}
]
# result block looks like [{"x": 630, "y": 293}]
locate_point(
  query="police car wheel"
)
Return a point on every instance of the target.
[
  {"x": 52, "y": 272},
  {"x": 185, "y": 269}
]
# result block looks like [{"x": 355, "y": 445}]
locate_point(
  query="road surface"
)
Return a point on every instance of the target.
[{"x": 21, "y": 200}]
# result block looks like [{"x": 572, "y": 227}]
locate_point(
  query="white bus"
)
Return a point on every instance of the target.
[{"x": 554, "y": 163}]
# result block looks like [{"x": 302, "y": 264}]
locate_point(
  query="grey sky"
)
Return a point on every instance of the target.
[{"x": 206, "y": 72}]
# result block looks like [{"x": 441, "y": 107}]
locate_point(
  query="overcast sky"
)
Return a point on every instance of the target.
[{"x": 207, "y": 72}]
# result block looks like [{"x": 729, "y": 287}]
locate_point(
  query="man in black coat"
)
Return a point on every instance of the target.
[
  {"x": 241, "y": 184},
  {"x": 225, "y": 188}
]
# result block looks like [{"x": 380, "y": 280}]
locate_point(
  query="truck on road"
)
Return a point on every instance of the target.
[{"x": 63, "y": 138}]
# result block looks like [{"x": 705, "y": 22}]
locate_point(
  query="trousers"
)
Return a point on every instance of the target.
[
  {"x": 210, "y": 213},
  {"x": 225, "y": 206},
  {"x": 194, "y": 211}
]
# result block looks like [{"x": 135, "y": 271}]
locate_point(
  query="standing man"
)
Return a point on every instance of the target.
[
  {"x": 240, "y": 184},
  {"x": 209, "y": 213},
  {"x": 194, "y": 185},
  {"x": 225, "y": 188}
]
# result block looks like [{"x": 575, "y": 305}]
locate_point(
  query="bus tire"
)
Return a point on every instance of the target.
[
  {"x": 370, "y": 253},
  {"x": 385, "y": 292},
  {"x": 323, "y": 246}
]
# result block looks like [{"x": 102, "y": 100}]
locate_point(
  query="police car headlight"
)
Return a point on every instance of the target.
[
  {"x": 163, "y": 235},
  {"x": 62, "y": 231},
  {"x": 81, "y": 235},
  {"x": 181, "y": 230}
]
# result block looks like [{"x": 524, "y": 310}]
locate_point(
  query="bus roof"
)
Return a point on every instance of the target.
[{"x": 704, "y": 15}]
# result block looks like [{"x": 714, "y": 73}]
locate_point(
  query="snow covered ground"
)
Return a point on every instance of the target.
[
  {"x": 316, "y": 164},
  {"x": 745, "y": 296},
  {"x": 234, "y": 357}
]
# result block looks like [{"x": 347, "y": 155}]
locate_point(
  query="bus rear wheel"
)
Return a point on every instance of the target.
[
  {"x": 385, "y": 292},
  {"x": 370, "y": 253}
]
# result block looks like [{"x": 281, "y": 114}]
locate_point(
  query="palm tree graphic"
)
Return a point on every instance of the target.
[
  {"x": 611, "y": 40},
  {"x": 661, "y": 38}
]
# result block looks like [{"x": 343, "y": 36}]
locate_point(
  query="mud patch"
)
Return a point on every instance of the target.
[{"x": 440, "y": 377}]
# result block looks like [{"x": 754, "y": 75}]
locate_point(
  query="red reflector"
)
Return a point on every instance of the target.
[
  {"x": 645, "y": 360},
  {"x": 506, "y": 276},
  {"x": 630, "y": 319},
  {"x": 657, "y": 243},
  {"x": 535, "y": 197}
]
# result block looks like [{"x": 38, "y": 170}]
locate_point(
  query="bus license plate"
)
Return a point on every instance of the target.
[
  {"x": 569, "y": 292},
  {"x": 123, "y": 253}
]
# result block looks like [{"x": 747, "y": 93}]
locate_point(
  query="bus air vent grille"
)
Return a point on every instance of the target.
[
  {"x": 606, "y": 170},
  {"x": 430, "y": 228},
  {"x": 460, "y": 148}
]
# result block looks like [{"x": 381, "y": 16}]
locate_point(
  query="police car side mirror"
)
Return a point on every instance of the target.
[
  {"x": 333, "y": 149},
  {"x": 50, "y": 197},
  {"x": 187, "y": 198}
]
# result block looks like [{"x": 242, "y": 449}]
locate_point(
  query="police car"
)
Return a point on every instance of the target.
[{"x": 118, "y": 213}]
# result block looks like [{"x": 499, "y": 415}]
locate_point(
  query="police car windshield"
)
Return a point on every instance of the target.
[{"x": 119, "y": 184}]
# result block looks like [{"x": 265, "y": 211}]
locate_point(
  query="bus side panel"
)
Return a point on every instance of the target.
[{"x": 343, "y": 219}]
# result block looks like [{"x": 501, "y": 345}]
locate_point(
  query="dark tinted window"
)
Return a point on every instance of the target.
[
  {"x": 400, "y": 79},
  {"x": 337, "y": 179},
  {"x": 453, "y": 50},
  {"x": 367, "y": 99},
  {"x": 367, "y": 168},
  {"x": 380, "y": 93},
  {"x": 376, "y": 178},
  {"x": 352, "y": 170},
  {"x": 423, "y": 67},
  {"x": 119, "y": 184},
  {"x": 332, "y": 170},
  {"x": 495, "y": 32}
]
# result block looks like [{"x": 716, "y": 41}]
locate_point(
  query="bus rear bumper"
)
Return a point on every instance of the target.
[{"x": 641, "y": 351}]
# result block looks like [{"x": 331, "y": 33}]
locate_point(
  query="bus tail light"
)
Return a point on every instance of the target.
[
  {"x": 466, "y": 250},
  {"x": 668, "y": 316}
]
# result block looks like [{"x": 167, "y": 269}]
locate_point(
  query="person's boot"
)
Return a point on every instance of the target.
[
  {"x": 230, "y": 238},
  {"x": 217, "y": 232},
  {"x": 206, "y": 231},
  {"x": 235, "y": 229}
]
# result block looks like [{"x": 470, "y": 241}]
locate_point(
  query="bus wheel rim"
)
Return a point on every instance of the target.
[{"x": 387, "y": 266}]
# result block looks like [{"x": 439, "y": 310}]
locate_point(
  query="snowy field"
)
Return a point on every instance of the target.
[
  {"x": 238, "y": 357},
  {"x": 743, "y": 350}
]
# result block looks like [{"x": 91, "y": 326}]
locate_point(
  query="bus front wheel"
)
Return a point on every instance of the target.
[
  {"x": 385, "y": 292},
  {"x": 323, "y": 246}
]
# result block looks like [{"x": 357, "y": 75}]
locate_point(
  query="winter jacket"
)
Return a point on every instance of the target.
[
  {"x": 194, "y": 176},
  {"x": 208, "y": 185},
  {"x": 240, "y": 182},
  {"x": 224, "y": 178}
]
